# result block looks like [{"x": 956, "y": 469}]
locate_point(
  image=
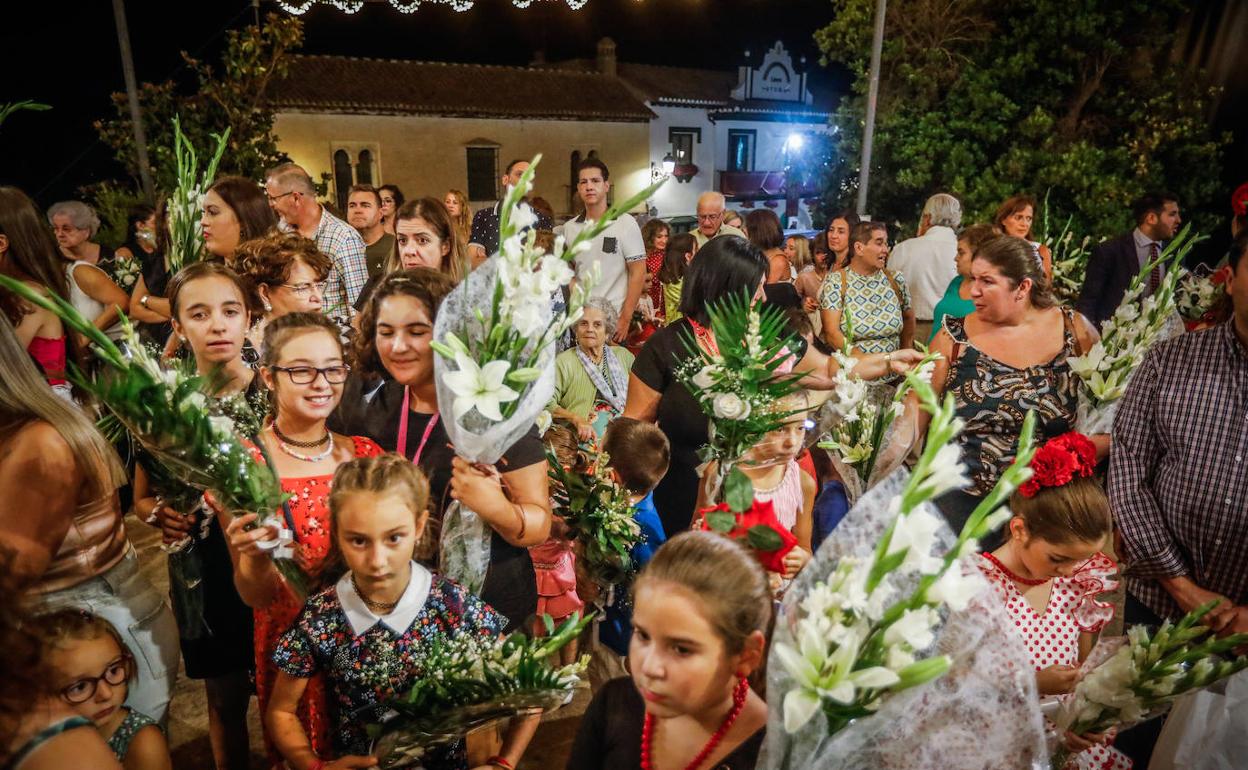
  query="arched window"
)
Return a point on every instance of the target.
[
  {"x": 342, "y": 178},
  {"x": 364, "y": 171}
]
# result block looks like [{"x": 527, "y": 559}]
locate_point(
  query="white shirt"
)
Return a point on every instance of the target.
[
  {"x": 615, "y": 247},
  {"x": 928, "y": 264},
  {"x": 400, "y": 618}
]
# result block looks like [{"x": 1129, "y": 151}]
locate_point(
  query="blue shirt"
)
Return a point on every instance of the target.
[{"x": 617, "y": 624}]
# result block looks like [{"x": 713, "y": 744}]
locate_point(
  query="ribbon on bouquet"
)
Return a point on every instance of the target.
[{"x": 280, "y": 547}]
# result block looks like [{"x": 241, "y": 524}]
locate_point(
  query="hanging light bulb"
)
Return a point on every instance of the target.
[{"x": 300, "y": 7}]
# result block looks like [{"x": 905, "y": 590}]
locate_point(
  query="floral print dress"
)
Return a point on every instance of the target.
[
  {"x": 364, "y": 670},
  {"x": 1052, "y": 636},
  {"x": 309, "y": 507}
]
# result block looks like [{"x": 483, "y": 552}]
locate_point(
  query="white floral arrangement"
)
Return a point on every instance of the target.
[
  {"x": 1139, "y": 323},
  {"x": 186, "y": 233},
  {"x": 495, "y": 339},
  {"x": 859, "y": 636},
  {"x": 1148, "y": 672},
  {"x": 126, "y": 271}
]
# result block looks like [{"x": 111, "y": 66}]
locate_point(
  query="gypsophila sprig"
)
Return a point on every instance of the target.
[
  {"x": 166, "y": 411},
  {"x": 859, "y": 637},
  {"x": 738, "y": 381},
  {"x": 1149, "y": 672},
  {"x": 186, "y": 233},
  {"x": 471, "y": 679},
  {"x": 600, "y": 516},
  {"x": 1138, "y": 324}
]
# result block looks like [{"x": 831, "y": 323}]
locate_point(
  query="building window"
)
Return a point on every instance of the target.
[
  {"x": 353, "y": 163},
  {"x": 682, "y": 141},
  {"x": 483, "y": 173},
  {"x": 741, "y": 149}
]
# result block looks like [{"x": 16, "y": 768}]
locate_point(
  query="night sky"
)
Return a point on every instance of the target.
[{"x": 66, "y": 54}]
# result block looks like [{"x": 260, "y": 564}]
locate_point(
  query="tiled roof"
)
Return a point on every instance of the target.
[
  {"x": 667, "y": 85},
  {"x": 390, "y": 86}
]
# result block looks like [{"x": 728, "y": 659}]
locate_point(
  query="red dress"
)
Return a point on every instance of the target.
[
  {"x": 654, "y": 263},
  {"x": 1052, "y": 636},
  {"x": 309, "y": 507}
]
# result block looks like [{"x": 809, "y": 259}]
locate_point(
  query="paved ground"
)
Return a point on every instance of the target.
[{"x": 188, "y": 721}]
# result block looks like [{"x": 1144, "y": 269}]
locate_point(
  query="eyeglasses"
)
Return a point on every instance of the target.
[
  {"x": 306, "y": 375},
  {"x": 709, "y": 217},
  {"x": 302, "y": 289},
  {"x": 84, "y": 689},
  {"x": 276, "y": 198}
]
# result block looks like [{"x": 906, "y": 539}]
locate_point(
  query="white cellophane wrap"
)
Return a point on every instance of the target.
[
  {"x": 898, "y": 442},
  {"x": 982, "y": 713},
  {"x": 465, "y": 538}
]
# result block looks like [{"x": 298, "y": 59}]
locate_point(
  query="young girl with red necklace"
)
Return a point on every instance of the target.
[
  {"x": 1050, "y": 572},
  {"x": 701, "y": 610}
]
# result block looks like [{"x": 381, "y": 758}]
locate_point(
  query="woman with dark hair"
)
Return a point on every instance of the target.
[
  {"x": 676, "y": 258},
  {"x": 867, "y": 298},
  {"x": 148, "y": 305},
  {"x": 29, "y": 254},
  {"x": 1015, "y": 217},
  {"x": 765, "y": 232},
  {"x": 425, "y": 236},
  {"x": 839, "y": 228},
  {"x": 235, "y": 209},
  {"x": 513, "y": 497},
  {"x": 655, "y": 234},
  {"x": 285, "y": 273},
  {"x": 391, "y": 199},
  {"x": 727, "y": 265},
  {"x": 1009, "y": 357},
  {"x": 139, "y": 248}
]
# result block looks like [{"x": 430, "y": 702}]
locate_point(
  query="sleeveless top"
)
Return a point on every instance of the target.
[
  {"x": 785, "y": 497},
  {"x": 992, "y": 398},
  {"x": 125, "y": 732},
  {"x": 95, "y": 543},
  {"x": 50, "y": 353},
  {"x": 43, "y": 736},
  {"x": 85, "y": 304}
]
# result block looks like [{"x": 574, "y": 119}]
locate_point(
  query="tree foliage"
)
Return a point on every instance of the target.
[
  {"x": 231, "y": 96},
  {"x": 990, "y": 98}
]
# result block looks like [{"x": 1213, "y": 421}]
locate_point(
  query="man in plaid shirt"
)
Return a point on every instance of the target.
[
  {"x": 1177, "y": 481},
  {"x": 293, "y": 196}
]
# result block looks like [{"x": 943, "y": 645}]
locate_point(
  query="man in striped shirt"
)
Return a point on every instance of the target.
[
  {"x": 1177, "y": 481},
  {"x": 293, "y": 197}
]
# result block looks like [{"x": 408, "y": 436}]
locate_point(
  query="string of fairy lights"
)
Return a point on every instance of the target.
[{"x": 300, "y": 7}]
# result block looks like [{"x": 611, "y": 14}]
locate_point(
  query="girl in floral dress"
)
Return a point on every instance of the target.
[
  {"x": 1050, "y": 572},
  {"x": 370, "y": 632},
  {"x": 303, "y": 367}
]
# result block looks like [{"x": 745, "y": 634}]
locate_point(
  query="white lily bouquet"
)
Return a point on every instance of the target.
[
  {"x": 186, "y": 233},
  {"x": 1200, "y": 295},
  {"x": 471, "y": 680},
  {"x": 495, "y": 335},
  {"x": 891, "y": 602},
  {"x": 1147, "y": 672},
  {"x": 866, "y": 440},
  {"x": 167, "y": 413},
  {"x": 1139, "y": 323}
]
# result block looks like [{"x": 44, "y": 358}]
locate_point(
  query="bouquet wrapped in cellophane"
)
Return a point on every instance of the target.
[
  {"x": 1201, "y": 297},
  {"x": 167, "y": 413},
  {"x": 867, "y": 440},
  {"x": 186, "y": 233},
  {"x": 494, "y": 372},
  {"x": 598, "y": 513},
  {"x": 891, "y": 602},
  {"x": 471, "y": 680},
  {"x": 1139, "y": 676},
  {"x": 1139, "y": 323}
]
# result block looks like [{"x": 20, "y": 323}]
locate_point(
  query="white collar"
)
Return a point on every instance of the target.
[{"x": 400, "y": 618}]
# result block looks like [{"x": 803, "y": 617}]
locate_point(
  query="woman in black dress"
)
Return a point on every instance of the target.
[
  {"x": 726, "y": 265},
  {"x": 400, "y": 413}
]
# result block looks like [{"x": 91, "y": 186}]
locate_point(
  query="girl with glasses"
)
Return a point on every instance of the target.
[
  {"x": 303, "y": 368},
  {"x": 91, "y": 669}
]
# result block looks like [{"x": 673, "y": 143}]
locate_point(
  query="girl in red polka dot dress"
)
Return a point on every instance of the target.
[{"x": 1050, "y": 572}]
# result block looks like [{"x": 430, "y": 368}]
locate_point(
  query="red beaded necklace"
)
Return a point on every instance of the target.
[
  {"x": 1011, "y": 575},
  {"x": 738, "y": 703}
]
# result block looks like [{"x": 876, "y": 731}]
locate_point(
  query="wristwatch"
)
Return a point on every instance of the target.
[{"x": 143, "y": 300}]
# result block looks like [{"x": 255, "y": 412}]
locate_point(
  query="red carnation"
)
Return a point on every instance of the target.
[
  {"x": 1239, "y": 200},
  {"x": 1060, "y": 460},
  {"x": 1082, "y": 448}
]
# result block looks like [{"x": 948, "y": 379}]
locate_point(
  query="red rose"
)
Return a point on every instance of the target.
[{"x": 759, "y": 515}]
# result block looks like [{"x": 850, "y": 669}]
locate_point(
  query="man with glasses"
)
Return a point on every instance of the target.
[
  {"x": 293, "y": 197},
  {"x": 711, "y": 207}
]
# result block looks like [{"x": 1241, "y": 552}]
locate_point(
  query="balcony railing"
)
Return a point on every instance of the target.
[{"x": 757, "y": 185}]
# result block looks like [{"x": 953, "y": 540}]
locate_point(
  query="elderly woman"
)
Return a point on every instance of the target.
[
  {"x": 591, "y": 379},
  {"x": 75, "y": 224},
  {"x": 89, "y": 266}
]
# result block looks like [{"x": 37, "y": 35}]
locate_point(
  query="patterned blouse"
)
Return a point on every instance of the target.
[
  {"x": 120, "y": 740},
  {"x": 992, "y": 398},
  {"x": 365, "y": 671},
  {"x": 873, "y": 307}
]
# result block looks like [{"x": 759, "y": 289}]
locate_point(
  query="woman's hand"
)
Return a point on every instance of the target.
[
  {"x": 810, "y": 304},
  {"x": 246, "y": 541},
  {"x": 794, "y": 560},
  {"x": 1056, "y": 680},
  {"x": 1076, "y": 744},
  {"x": 902, "y": 361},
  {"x": 477, "y": 488},
  {"x": 173, "y": 525},
  {"x": 584, "y": 429}
]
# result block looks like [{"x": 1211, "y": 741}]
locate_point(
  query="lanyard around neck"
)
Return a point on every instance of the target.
[{"x": 402, "y": 445}]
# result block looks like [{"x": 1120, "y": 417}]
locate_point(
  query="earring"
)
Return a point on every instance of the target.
[{"x": 267, "y": 307}]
